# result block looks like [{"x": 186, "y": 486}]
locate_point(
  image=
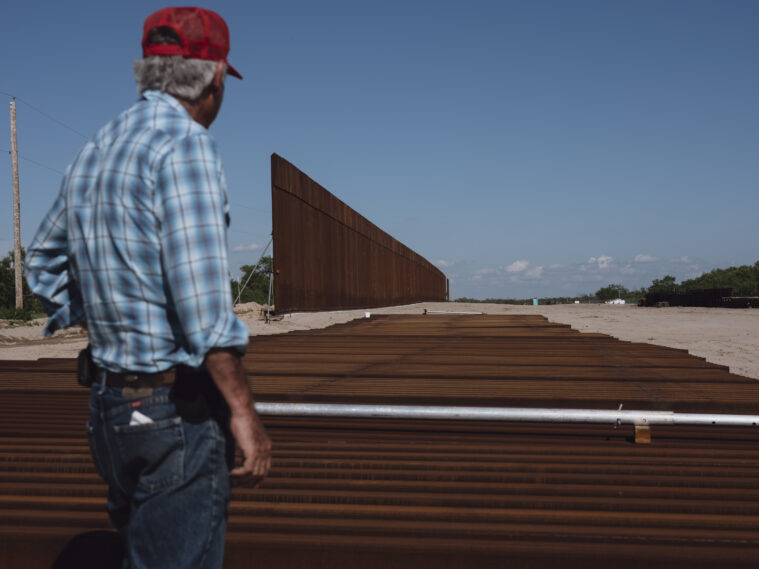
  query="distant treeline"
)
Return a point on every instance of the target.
[
  {"x": 254, "y": 285},
  {"x": 585, "y": 299},
  {"x": 742, "y": 281}
]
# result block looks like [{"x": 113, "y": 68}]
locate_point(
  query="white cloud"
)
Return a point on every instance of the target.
[
  {"x": 522, "y": 279},
  {"x": 535, "y": 272},
  {"x": 643, "y": 258},
  {"x": 249, "y": 247},
  {"x": 603, "y": 261},
  {"x": 479, "y": 273},
  {"x": 517, "y": 266},
  {"x": 443, "y": 263},
  {"x": 627, "y": 270}
]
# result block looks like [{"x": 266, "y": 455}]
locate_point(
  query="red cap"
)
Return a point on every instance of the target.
[{"x": 203, "y": 33}]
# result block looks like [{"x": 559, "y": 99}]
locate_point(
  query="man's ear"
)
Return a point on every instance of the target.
[{"x": 218, "y": 77}]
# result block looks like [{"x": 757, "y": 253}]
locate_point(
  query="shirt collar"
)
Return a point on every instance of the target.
[{"x": 164, "y": 98}]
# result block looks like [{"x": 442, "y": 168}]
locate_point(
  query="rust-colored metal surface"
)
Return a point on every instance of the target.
[
  {"x": 382, "y": 493},
  {"x": 327, "y": 256}
]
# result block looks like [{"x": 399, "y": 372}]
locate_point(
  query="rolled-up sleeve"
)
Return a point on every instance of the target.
[
  {"x": 192, "y": 199},
  {"x": 49, "y": 274}
]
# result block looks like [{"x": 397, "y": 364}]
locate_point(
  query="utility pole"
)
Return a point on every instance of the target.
[{"x": 16, "y": 212}]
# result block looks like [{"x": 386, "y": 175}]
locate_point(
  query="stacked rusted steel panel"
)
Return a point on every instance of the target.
[
  {"x": 740, "y": 302},
  {"x": 712, "y": 297},
  {"x": 375, "y": 493},
  {"x": 327, "y": 256}
]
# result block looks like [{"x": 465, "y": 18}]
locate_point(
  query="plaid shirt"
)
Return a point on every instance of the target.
[{"x": 135, "y": 245}]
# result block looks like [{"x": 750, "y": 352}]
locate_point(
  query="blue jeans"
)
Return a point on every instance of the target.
[{"x": 168, "y": 480}]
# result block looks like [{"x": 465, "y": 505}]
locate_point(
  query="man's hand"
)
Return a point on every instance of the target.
[
  {"x": 226, "y": 370},
  {"x": 255, "y": 444}
]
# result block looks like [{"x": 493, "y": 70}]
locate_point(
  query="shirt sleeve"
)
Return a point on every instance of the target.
[
  {"x": 49, "y": 274},
  {"x": 194, "y": 248}
]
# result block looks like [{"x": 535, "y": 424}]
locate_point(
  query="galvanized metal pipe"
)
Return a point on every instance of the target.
[
  {"x": 448, "y": 312},
  {"x": 618, "y": 417}
]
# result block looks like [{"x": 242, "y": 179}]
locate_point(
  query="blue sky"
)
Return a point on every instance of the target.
[{"x": 536, "y": 148}]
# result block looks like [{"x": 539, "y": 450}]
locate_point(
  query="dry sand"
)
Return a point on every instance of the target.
[{"x": 721, "y": 335}]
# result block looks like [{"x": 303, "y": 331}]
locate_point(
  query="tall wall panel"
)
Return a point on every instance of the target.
[{"x": 327, "y": 256}]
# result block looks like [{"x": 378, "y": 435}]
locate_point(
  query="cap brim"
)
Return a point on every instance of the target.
[{"x": 232, "y": 71}]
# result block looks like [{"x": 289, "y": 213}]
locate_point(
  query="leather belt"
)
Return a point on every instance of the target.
[{"x": 138, "y": 380}]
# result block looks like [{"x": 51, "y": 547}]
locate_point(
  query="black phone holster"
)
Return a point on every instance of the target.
[{"x": 85, "y": 368}]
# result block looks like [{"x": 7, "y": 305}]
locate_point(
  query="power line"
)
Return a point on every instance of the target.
[
  {"x": 240, "y": 290},
  {"x": 24, "y": 158},
  {"x": 46, "y": 115},
  {"x": 84, "y": 136}
]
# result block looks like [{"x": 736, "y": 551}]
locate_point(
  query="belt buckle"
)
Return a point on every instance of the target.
[{"x": 131, "y": 378}]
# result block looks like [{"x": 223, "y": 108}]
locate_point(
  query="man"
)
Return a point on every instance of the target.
[{"x": 134, "y": 248}]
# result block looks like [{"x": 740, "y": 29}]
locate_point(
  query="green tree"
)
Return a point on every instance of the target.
[
  {"x": 743, "y": 280},
  {"x": 32, "y": 306},
  {"x": 7, "y": 282},
  {"x": 666, "y": 285},
  {"x": 611, "y": 292},
  {"x": 257, "y": 278}
]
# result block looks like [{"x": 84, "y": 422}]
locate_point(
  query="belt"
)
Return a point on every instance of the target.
[{"x": 138, "y": 380}]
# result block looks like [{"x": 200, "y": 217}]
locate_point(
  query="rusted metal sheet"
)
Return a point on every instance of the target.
[
  {"x": 369, "y": 493},
  {"x": 710, "y": 297},
  {"x": 327, "y": 256}
]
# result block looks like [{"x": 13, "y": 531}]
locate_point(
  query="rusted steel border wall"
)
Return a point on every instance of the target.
[{"x": 327, "y": 256}]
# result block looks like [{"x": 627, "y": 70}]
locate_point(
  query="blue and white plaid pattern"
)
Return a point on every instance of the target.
[{"x": 136, "y": 246}]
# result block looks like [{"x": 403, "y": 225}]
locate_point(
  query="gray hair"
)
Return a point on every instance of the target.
[{"x": 176, "y": 75}]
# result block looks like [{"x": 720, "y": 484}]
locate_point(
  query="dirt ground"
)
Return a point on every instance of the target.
[{"x": 721, "y": 335}]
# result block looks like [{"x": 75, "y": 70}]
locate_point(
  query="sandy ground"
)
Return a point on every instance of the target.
[{"x": 721, "y": 335}]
